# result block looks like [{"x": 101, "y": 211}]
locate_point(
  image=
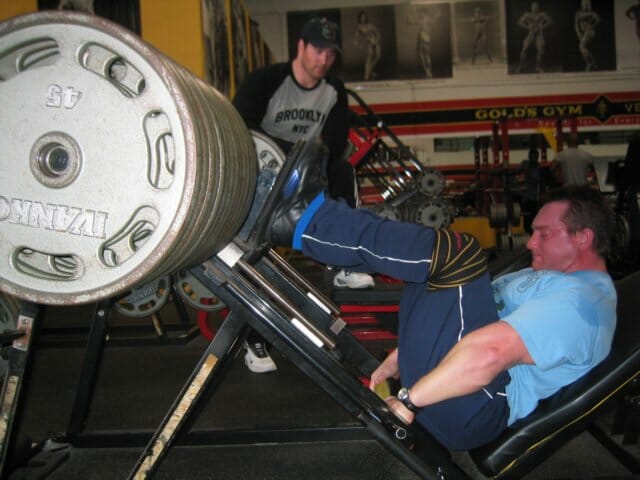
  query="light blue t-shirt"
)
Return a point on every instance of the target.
[{"x": 567, "y": 322}]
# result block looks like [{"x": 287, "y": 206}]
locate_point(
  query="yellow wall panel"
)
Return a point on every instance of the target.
[
  {"x": 11, "y": 8},
  {"x": 175, "y": 28},
  {"x": 479, "y": 227}
]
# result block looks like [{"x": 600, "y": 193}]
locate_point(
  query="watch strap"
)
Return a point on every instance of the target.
[{"x": 403, "y": 396}]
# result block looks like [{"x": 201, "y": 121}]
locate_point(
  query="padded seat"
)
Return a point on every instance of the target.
[{"x": 562, "y": 416}]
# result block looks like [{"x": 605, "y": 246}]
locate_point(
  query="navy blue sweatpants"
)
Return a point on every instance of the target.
[{"x": 431, "y": 322}]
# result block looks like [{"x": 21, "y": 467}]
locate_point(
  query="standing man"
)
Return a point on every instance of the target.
[
  {"x": 531, "y": 195},
  {"x": 300, "y": 100},
  {"x": 573, "y": 164}
]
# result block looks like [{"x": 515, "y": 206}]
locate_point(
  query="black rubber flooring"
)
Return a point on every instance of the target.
[
  {"x": 268, "y": 426},
  {"x": 276, "y": 425}
]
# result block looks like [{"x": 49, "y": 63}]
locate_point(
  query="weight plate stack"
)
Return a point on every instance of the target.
[
  {"x": 433, "y": 213},
  {"x": 269, "y": 154},
  {"x": 196, "y": 293},
  {"x": 431, "y": 182},
  {"x": 117, "y": 165},
  {"x": 145, "y": 300}
]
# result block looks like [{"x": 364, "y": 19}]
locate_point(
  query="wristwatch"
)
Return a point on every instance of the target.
[{"x": 403, "y": 396}]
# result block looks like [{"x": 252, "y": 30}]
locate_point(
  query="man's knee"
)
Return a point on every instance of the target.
[{"x": 457, "y": 259}]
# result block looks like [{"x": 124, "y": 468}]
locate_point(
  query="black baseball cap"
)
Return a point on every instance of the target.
[{"x": 322, "y": 33}]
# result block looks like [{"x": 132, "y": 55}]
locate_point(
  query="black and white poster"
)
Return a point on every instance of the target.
[
  {"x": 368, "y": 43},
  {"x": 400, "y": 42},
  {"x": 477, "y": 35},
  {"x": 568, "y": 36},
  {"x": 627, "y": 18},
  {"x": 423, "y": 40}
]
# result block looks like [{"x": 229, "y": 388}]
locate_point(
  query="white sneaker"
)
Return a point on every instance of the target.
[
  {"x": 257, "y": 358},
  {"x": 347, "y": 279}
]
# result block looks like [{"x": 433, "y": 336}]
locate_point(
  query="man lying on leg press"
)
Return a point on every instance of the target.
[{"x": 473, "y": 355}]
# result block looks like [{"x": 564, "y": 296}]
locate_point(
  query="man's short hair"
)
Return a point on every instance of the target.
[
  {"x": 573, "y": 140},
  {"x": 588, "y": 208}
]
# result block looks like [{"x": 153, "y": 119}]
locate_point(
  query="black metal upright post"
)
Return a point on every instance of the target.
[
  {"x": 88, "y": 375},
  {"x": 12, "y": 388}
]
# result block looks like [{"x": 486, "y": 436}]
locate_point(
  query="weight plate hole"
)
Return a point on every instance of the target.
[
  {"x": 53, "y": 159},
  {"x": 56, "y": 160}
]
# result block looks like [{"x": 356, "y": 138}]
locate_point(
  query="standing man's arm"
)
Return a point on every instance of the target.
[
  {"x": 336, "y": 128},
  {"x": 555, "y": 170},
  {"x": 340, "y": 173},
  {"x": 251, "y": 100}
]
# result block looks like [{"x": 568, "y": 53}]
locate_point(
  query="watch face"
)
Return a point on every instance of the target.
[{"x": 403, "y": 393}]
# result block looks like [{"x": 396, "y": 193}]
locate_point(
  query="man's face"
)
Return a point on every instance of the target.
[
  {"x": 315, "y": 61},
  {"x": 552, "y": 246}
]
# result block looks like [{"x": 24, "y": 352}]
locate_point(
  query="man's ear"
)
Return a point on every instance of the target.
[{"x": 586, "y": 238}]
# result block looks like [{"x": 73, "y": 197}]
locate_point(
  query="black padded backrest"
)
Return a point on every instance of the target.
[{"x": 560, "y": 417}]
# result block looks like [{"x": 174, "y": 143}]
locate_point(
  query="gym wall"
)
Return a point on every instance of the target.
[{"x": 174, "y": 28}]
